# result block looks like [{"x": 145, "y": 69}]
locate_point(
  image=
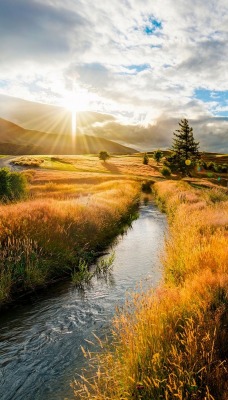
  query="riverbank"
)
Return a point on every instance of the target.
[
  {"x": 45, "y": 238},
  {"x": 172, "y": 342},
  {"x": 41, "y": 339}
]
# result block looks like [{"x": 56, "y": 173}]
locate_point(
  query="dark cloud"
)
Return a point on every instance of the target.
[
  {"x": 31, "y": 29},
  {"x": 208, "y": 58},
  {"x": 212, "y": 133}
]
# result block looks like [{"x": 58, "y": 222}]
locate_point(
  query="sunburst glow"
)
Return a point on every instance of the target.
[{"x": 76, "y": 101}]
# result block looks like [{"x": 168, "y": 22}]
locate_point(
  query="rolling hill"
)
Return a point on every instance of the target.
[
  {"x": 15, "y": 140},
  {"x": 48, "y": 118}
]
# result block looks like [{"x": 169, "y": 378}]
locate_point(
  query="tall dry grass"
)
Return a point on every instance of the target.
[
  {"x": 171, "y": 343},
  {"x": 41, "y": 239}
]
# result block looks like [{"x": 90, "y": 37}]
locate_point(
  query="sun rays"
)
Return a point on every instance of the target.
[{"x": 57, "y": 126}]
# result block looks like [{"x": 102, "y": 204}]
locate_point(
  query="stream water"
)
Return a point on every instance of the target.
[{"x": 40, "y": 342}]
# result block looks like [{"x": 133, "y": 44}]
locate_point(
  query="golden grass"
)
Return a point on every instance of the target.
[
  {"x": 171, "y": 343},
  {"x": 124, "y": 165},
  {"x": 44, "y": 237},
  {"x": 26, "y": 161}
]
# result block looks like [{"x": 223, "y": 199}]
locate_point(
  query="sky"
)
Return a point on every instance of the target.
[{"x": 147, "y": 63}]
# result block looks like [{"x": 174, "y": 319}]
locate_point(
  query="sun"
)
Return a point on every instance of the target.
[{"x": 76, "y": 101}]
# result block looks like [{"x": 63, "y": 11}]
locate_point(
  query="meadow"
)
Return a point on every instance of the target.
[
  {"x": 168, "y": 343},
  {"x": 67, "y": 218}
]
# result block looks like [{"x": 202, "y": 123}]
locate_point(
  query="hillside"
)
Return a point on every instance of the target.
[
  {"x": 16, "y": 140},
  {"x": 46, "y": 117}
]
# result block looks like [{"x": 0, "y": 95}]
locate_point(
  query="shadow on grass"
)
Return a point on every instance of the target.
[{"x": 111, "y": 168}]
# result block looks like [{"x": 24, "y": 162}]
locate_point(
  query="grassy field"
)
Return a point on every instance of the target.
[
  {"x": 75, "y": 207},
  {"x": 67, "y": 217},
  {"x": 214, "y": 166},
  {"x": 117, "y": 165},
  {"x": 44, "y": 236},
  {"x": 171, "y": 343}
]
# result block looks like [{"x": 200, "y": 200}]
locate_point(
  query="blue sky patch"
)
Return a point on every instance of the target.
[
  {"x": 138, "y": 67},
  {"x": 153, "y": 25},
  {"x": 134, "y": 69},
  {"x": 215, "y": 96}
]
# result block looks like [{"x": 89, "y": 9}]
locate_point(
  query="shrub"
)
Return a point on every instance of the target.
[
  {"x": 146, "y": 187},
  {"x": 158, "y": 155},
  {"x": 211, "y": 166},
  {"x": 13, "y": 185},
  {"x": 166, "y": 171},
  {"x": 219, "y": 168},
  {"x": 145, "y": 159}
]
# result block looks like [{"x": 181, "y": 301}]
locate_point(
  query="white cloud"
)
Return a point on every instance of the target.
[{"x": 46, "y": 44}]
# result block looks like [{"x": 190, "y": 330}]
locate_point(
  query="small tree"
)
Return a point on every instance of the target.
[
  {"x": 104, "y": 155},
  {"x": 184, "y": 148},
  {"x": 157, "y": 155},
  {"x": 145, "y": 159}
]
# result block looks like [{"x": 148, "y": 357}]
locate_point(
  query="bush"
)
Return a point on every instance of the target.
[
  {"x": 166, "y": 171},
  {"x": 13, "y": 185},
  {"x": 218, "y": 168},
  {"x": 146, "y": 187},
  {"x": 158, "y": 155},
  {"x": 211, "y": 166},
  {"x": 145, "y": 159}
]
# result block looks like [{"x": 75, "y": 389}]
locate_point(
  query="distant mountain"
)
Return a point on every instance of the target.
[
  {"x": 15, "y": 140},
  {"x": 48, "y": 118}
]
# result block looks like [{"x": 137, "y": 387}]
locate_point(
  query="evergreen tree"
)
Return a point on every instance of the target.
[{"x": 184, "y": 148}]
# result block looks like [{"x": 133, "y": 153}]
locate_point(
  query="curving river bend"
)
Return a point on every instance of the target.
[{"x": 40, "y": 342}]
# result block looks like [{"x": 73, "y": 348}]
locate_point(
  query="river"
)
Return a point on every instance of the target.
[{"x": 40, "y": 341}]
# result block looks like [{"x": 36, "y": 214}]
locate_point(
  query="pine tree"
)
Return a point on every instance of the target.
[{"x": 185, "y": 149}]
